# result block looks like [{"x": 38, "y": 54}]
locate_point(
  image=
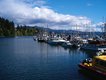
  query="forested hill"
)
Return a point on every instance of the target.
[
  {"x": 26, "y": 30},
  {"x": 7, "y": 28}
]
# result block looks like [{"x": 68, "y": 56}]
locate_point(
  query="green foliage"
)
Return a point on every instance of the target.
[
  {"x": 7, "y": 28},
  {"x": 25, "y": 31}
]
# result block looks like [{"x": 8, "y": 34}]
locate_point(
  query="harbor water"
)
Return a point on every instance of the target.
[{"x": 22, "y": 58}]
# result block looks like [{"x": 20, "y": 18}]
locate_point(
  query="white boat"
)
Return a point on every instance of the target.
[
  {"x": 56, "y": 41},
  {"x": 67, "y": 44}
]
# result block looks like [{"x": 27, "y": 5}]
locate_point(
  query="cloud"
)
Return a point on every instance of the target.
[
  {"x": 31, "y": 12},
  {"x": 96, "y": 27},
  {"x": 40, "y": 3}
]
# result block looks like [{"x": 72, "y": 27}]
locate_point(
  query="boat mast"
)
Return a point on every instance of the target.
[{"x": 104, "y": 28}]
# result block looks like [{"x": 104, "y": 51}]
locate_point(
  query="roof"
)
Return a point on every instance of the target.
[{"x": 102, "y": 57}]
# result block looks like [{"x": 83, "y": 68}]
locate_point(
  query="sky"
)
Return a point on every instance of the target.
[{"x": 83, "y": 15}]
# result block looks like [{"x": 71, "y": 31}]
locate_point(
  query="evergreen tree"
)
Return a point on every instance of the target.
[
  {"x": 7, "y": 28},
  {"x": 25, "y": 30}
]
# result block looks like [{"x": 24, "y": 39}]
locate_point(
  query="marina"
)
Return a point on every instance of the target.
[
  {"x": 95, "y": 65},
  {"x": 52, "y": 40}
]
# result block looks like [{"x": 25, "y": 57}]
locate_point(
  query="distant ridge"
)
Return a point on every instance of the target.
[{"x": 66, "y": 31}]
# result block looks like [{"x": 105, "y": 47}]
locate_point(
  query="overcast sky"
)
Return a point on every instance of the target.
[{"x": 57, "y": 14}]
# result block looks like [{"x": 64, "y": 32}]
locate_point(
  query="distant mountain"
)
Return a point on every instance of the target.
[{"x": 66, "y": 31}]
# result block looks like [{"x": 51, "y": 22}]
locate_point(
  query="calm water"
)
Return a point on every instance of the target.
[{"x": 23, "y": 58}]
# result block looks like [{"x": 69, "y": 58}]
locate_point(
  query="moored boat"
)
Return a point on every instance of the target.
[
  {"x": 94, "y": 45},
  {"x": 67, "y": 45},
  {"x": 56, "y": 41},
  {"x": 41, "y": 40},
  {"x": 95, "y": 67}
]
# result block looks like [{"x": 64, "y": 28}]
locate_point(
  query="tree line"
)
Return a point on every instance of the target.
[
  {"x": 8, "y": 29},
  {"x": 25, "y": 30}
]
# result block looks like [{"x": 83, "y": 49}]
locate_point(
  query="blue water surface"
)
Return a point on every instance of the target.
[{"x": 22, "y": 58}]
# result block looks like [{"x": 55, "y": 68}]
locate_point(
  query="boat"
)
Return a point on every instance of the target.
[
  {"x": 76, "y": 45},
  {"x": 95, "y": 67},
  {"x": 94, "y": 45},
  {"x": 41, "y": 40},
  {"x": 67, "y": 44},
  {"x": 77, "y": 42},
  {"x": 56, "y": 41},
  {"x": 35, "y": 38},
  {"x": 42, "y": 36}
]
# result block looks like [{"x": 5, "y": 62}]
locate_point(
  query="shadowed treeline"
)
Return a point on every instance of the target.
[{"x": 8, "y": 29}]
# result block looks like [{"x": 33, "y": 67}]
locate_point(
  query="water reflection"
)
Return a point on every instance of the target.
[
  {"x": 23, "y": 58},
  {"x": 90, "y": 54}
]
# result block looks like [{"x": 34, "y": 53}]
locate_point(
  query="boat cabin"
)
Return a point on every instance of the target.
[
  {"x": 97, "y": 42},
  {"x": 99, "y": 62}
]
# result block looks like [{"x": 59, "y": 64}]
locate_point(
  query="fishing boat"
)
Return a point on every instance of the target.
[
  {"x": 94, "y": 45},
  {"x": 77, "y": 42},
  {"x": 56, "y": 41},
  {"x": 95, "y": 67},
  {"x": 43, "y": 37},
  {"x": 67, "y": 44},
  {"x": 41, "y": 40}
]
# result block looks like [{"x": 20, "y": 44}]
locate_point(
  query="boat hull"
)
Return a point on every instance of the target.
[
  {"x": 92, "y": 47},
  {"x": 41, "y": 40},
  {"x": 92, "y": 72},
  {"x": 52, "y": 43}
]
